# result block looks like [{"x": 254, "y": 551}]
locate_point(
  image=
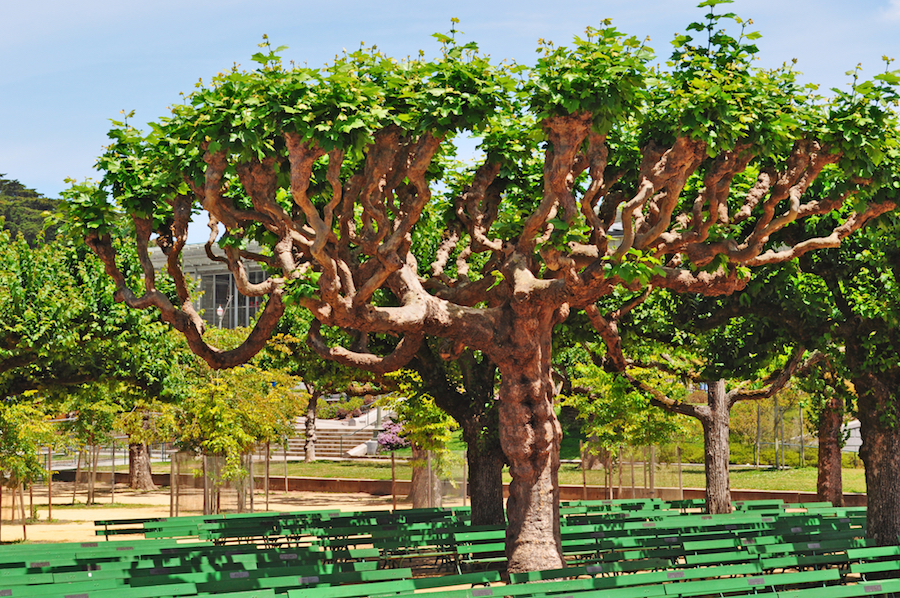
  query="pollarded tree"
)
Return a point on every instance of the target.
[
  {"x": 333, "y": 169},
  {"x": 466, "y": 392}
]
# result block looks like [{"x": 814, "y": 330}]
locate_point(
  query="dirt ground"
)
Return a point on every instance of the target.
[{"x": 75, "y": 523}]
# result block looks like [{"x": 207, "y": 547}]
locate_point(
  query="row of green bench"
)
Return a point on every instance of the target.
[
  {"x": 225, "y": 581},
  {"x": 684, "y": 538}
]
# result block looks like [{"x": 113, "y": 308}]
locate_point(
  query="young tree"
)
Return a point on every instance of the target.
[
  {"x": 289, "y": 351},
  {"x": 92, "y": 411},
  {"x": 428, "y": 430},
  {"x": 233, "y": 411},
  {"x": 614, "y": 414},
  {"x": 331, "y": 171},
  {"x": 24, "y": 430}
]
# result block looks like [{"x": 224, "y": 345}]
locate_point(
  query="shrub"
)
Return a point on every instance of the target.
[
  {"x": 391, "y": 438},
  {"x": 340, "y": 409}
]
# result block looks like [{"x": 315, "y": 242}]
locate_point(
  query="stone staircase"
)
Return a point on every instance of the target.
[
  {"x": 333, "y": 439},
  {"x": 329, "y": 443}
]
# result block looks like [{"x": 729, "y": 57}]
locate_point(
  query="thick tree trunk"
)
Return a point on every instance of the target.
[
  {"x": 485, "y": 460},
  {"x": 530, "y": 435},
  {"x": 139, "y": 467},
  {"x": 830, "y": 486},
  {"x": 477, "y": 413},
  {"x": 880, "y": 452},
  {"x": 309, "y": 446},
  {"x": 716, "y": 449},
  {"x": 419, "y": 486}
]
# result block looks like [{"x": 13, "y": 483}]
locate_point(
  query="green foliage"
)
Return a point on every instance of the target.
[
  {"x": 24, "y": 432},
  {"x": 88, "y": 209},
  {"x": 60, "y": 326},
  {"x": 425, "y": 425},
  {"x": 148, "y": 422},
  {"x": 24, "y": 211},
  {"x": 92, "y": 418},
  {"x": 341, "y": 409},
  {"x": 614, "y": 414},
  {"x": 857, "y": 121},
  {"x": 638, "y": 267},
  {"x": 715, "y": 95},
  {"x": 603, "y": 74},
  {"x": 361, "y": 230},
  {"x": 236, "y": 409}
]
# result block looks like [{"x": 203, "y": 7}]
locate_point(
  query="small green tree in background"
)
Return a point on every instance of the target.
[
  {"x": 289, "y": 351},
  {"x": 92, "y": 411},
  {"x": 615, "y": 415},
  {"x": 145, "y": 422},
  {"x": 429, "y": 431},
  {"x": 232, "y": 412},
  {"x": 24, "y": 430}
]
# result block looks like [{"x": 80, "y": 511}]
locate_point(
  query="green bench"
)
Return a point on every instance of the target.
[
  {"x": 408, "y": 586},
  {"x": 851, "y": 590}
]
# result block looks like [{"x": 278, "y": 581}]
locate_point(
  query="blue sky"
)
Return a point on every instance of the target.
[{"x": 68, "y": 67}]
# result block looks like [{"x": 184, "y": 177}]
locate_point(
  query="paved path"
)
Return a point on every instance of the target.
[{"x": 76, "y": 523}]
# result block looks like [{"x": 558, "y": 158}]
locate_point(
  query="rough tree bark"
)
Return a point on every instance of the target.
[
  {"x": 476, "y": 410},
  {"x": 880, "y": 450},
  {"x": 309, "y": 445},
  {"x": 485, "y": 461},
  {"x": 419, "y": 486},
  {"x": 530, "y": 435},
  {"x": 829, "y": 485},
  {"x": 716, "y": 451},
  {"x": 139, "y": 467}
]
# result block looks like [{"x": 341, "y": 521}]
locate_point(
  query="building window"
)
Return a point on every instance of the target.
[{"x": 230, "y": 308}]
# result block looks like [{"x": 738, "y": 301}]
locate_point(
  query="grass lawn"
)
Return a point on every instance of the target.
[{"x": 802, "y": 479}]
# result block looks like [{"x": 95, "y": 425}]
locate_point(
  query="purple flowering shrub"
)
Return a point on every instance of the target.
[{"x": 391, "y": 438}]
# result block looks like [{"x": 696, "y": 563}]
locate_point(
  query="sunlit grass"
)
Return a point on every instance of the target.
[{"x": 797, "y": 479}]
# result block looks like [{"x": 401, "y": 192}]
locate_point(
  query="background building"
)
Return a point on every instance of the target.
[{"x": 216, "y": 296}]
